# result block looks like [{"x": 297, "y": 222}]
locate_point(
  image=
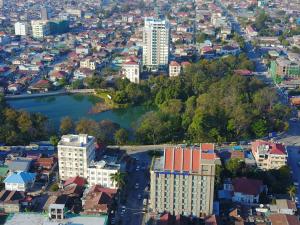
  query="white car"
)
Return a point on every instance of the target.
[{"x": 137, "y": 186}]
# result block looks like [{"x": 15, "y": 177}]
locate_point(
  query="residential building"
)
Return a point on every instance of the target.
[
  {"x": 44, "y": 13},
  {"x": 40, "y": 219},
  {"x": 97, "y": 200},
  {"x": 40, "y": 28},
  {"x": 269, "y": 155},
  {"x": 282, "y": 219},
  {"x": 182, "y": 181},
  {"x": 20, "y": 181},
  {"x": 88, "y": 63},
  {"x": 75, "y": 153},
  {"x": 10, "y": 201},
  {"x": 284, "y": 68},
  {"x": 56, "y": 211},
  {"x": 174, "y": 69},
  {"x": 21, "y": 28},
  {"x": 100, "y": 172},
  {"x": 284, "y": 206},
  {"x": 131, "y": 70},
  {"x": 156, "y": 43},
  {"x": 244, "y": 190},
  {"x": 19, "y": 165}
]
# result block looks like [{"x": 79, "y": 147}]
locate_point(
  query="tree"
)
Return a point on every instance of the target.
[
  {"x": 292, "y": 190},
  {"x": 77, "y": 84},
  {"x": 121, "y": 136},
  {"x": 119, "y": 179},
  {"x": 54, "y": 140},
  {"x": 66, "y": 125},
  {"x": 260, "y": 128},
  {"x": 54, "y": 187}
]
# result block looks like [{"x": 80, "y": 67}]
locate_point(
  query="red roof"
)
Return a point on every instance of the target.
[
  {"x": 247, "y": 186},
  {"x": 189, "y": 158},
  {"x": 274, "y": 148},
  {"x": 243, "y": 72},
  {"x": 174, "y": 63},
  {"x": 80, "y": 181}
]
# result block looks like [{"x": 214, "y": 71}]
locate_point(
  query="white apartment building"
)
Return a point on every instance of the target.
[
  {"x": 174, "y": 69},
  {"x": 100, "y": 173},
  {"x": 156, "y": 38},
  {"x": 132, "y": 71},
  {"x": 40, "y": 28},
  {"x": 88, "y": 63},
  {"x": 75, "y": 153},
  {"x": 21, "y": 29},
  {"x": 269, "y": 155},
  {"x": 182, "y": 181}
]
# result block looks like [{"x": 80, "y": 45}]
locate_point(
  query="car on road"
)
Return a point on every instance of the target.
[
  {"x": 112, "y": 221},
  {"x": 139, "y": 196},
  {"x": 137, "y": 185},
  {"x": 137, "y": 168}
]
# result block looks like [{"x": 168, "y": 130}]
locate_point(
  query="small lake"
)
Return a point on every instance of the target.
[{"x": 77, "y": 107}]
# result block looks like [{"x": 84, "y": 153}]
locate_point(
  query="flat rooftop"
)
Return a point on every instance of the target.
[
  {"x": 81, "y": 140},
  {"x": 40, "y": 219}
]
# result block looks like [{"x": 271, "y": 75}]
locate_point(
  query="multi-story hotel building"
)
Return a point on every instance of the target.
[
  {"x": 40, "y": 28},
  {"x": 182, "y": 181},
  {"x": 21, "y": 28},
  {"x": 269, "y": 155},
  {"x": 156, "y": 40},
  {"x": 75, "y": 154}
]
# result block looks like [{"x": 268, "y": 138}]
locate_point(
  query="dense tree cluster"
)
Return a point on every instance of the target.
[
  {"x": 211, "y": 103},
  {"x": 19, "y": 127},
  {"x": 278, "y": 181}
]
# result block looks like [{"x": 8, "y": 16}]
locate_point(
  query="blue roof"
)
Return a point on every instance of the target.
[{"x": 20, "y": 178}]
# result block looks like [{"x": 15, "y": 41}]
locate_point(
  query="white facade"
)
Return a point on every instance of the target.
[
  {"x": 40, "y": 28},
  {"x": 15, "y": 187},
  {"x": 21, "y": 29},
  {"x": 156, "y": 40},
  {"x": 132, "y": 71},
  {"x": 75, "y": 153},
  {"x": 100, "y": 173}
]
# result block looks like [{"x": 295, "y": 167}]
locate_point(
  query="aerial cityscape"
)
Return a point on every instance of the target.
[{"x": 149, "y": 112}]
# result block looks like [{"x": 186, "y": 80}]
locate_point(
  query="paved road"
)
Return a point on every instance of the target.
[
  {"x": 133, "y": 208},
  {"x": 292, "y": 141}
]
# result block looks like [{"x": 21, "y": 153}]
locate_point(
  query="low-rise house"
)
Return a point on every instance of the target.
[
  {"x": 251, "y": 31},
  {"x": 284, "y": 206},
  {"x": 174, "y": 69},
  {"x": 282, "y": 219},
  {"x": 56, "y": 211},
  {"x": 242, "y": 190},
  {"x": 19, "y": 165},
  {"x": 98, "y": 200},
  {"x": 230, "y": 50},
  {"x": 82, "y": 73},
  {"x": 40, "y": 86},
  {"x": 269, "y": 155},
  {"x": 246, "y": 190},
  {"x": 20, "y": 181},
  {"x": 57, "y": 75},
  {"x": 15, "y": 88},
  {"x": 89, "y": 63},
  {"x": 10, "y": 201}
]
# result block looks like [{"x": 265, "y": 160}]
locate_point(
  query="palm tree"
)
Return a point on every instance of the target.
[
  {"x": 292, "y": 190},
  {"x": 119, "y": 178}
]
